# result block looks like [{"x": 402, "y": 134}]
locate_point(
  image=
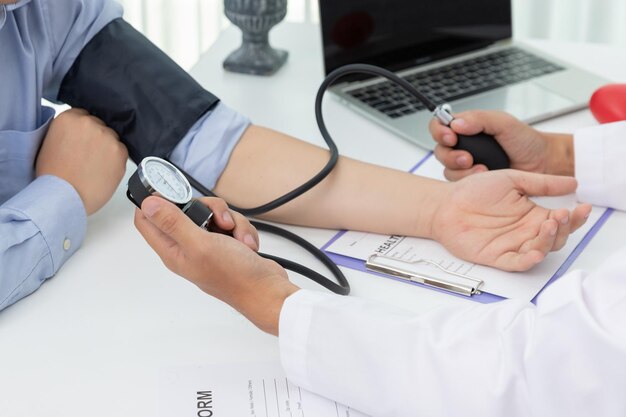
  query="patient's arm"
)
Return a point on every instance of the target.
[{"x": 501, "y": 226}]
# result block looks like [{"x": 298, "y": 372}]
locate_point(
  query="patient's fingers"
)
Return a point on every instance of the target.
[
  {"x": 544, "y": 241},
  {"x": 517, "y": 262},
  {"x": 563, "y": 219},
  {"x": 579, "y": 216}
]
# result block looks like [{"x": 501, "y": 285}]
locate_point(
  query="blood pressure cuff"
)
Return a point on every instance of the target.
[{"x": 136, "y": 89}]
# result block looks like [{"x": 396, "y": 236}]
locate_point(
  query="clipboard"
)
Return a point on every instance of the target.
[
  {"x": 458, "y": 283},
  {"x": 441, "y": 281}
]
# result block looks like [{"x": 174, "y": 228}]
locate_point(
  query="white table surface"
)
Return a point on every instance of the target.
[{"x": 93, "y": 340}]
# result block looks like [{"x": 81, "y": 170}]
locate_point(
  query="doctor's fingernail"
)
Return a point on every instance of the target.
[
  {"x": 565, "y": 220},
  {"x": 250, "y": 241},
  {"x": 151, "y": 206},
  {"x": 227, "y": 217},
  {"x": 459, "y": 123},
  {"x": 462, "y": 161}
]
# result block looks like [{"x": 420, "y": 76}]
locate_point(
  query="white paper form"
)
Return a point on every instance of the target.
[
  {"x": 522, "y": 286},
  {"x": 238, "y": 390}
]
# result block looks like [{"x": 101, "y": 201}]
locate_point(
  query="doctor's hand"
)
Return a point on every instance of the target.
[
  {"x": 224, "y": 267},
  {"x": 83, "y": 151},
  {"x": 489, "y": 219},
  {"x": 528, "y": 149}
]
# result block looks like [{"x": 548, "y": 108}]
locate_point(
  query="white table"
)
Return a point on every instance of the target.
[{"x": 93, "y": 340}]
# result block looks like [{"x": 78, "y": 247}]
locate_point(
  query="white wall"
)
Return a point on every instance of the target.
[{"x": 602, "y": 21}]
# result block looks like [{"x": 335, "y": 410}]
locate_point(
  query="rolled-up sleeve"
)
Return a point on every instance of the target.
[{"x": 205, "y": 150}]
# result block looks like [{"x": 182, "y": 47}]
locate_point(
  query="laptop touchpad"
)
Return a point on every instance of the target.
[{"x": 525, "y": 101}]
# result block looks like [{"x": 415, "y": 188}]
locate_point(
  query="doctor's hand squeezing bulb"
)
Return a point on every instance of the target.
[{"x": 484, "y": 148}]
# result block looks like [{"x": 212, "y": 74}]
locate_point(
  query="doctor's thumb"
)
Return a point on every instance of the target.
[
  {"x": 151, "y": 206},
  {"x": 169, "y": 219}
]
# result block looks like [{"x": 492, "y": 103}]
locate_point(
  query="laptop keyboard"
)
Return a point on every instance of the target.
[{"x": 455, "y": 81}]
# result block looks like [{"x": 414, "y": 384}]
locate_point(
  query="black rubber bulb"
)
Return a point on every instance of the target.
[{"x": 485, "y": 150}]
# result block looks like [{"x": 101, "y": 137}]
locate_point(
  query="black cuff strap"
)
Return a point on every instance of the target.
[{"x": 136, "y": 89}]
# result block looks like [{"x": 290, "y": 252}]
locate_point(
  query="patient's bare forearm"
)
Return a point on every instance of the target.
[{"x": 356, "y": 195}]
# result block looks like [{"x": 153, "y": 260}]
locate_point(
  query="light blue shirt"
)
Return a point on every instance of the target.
[{"x": 43, "y": 220}]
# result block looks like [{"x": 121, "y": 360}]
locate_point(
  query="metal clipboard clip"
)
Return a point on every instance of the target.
[{"x": 460, "y": 284}]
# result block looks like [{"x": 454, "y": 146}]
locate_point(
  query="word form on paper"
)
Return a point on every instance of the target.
[{"x": 237, "y": 390}]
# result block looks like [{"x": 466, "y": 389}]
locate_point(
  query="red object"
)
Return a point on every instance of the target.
[{"x": 608, "y": 103}]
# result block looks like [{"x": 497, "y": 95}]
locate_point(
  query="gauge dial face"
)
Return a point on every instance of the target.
[{"x": 166, "y": 180}]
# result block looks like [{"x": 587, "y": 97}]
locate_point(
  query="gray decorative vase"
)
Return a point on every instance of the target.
[{"x": 255, "y": 18}]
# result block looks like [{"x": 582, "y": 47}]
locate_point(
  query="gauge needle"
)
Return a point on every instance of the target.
[{"x": 166, "y": 183}]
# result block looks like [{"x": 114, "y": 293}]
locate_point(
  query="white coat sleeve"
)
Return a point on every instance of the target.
[
  {"x": 600, "y": 154},
  {"x": 564, "y": 357}
]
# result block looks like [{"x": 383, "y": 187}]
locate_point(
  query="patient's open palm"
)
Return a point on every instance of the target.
[{"x": 489, "y": 218}]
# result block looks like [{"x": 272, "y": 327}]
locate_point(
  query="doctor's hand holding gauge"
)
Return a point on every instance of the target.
[
  {"x": 157, "y": 177},
  {"x": 225, "y": 267}
]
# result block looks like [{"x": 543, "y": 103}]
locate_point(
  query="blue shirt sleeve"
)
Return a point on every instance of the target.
[
  {"x": 37, "y": 235},
  {"x": 71, "y": 24},
  {"x": 205, "y": 150}
]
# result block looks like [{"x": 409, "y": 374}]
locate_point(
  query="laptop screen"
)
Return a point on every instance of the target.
[{"x": 398, "y": 34}]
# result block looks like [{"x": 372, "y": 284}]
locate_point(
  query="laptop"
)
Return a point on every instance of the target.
[{"x": 454, "y": 51}]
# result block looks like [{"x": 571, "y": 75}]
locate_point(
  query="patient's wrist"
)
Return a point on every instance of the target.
[{"x": 430, "y": 200}]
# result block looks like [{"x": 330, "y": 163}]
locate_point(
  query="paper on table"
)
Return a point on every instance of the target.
[
  {"x": 505, "y": 284},
  {"x": 250, "y": 389}
]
